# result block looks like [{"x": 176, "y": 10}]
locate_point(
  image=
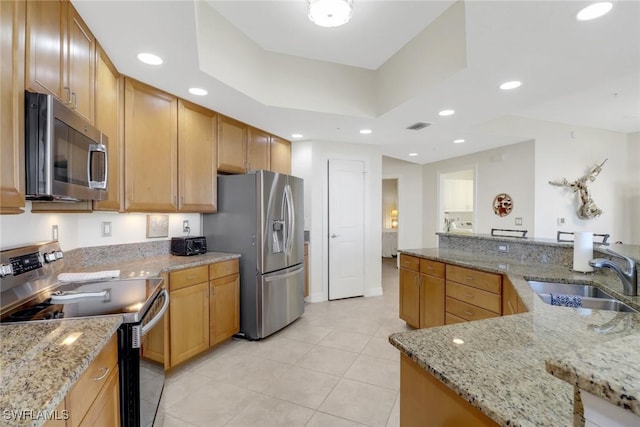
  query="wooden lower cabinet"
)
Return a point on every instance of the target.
[
  {"x": 422, "y": 292},
  {"x": 105, "y": 411},
  {"x": 224, "y": 314},
  {"x": 511, "y": 302},
  {"x": 410, "y": 297},
  {"x": 188, "y": 322},
  {"x": 426, "y": 402}
]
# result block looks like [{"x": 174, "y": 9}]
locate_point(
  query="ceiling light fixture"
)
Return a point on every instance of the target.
[
  {"x": 446, "y": 112},
  {"x": 330, "y": 13},
  {"x": 510, "y": 85},
  {"x": 458, "y": 141},
  {"x": 197, "y": 91},
  {"x": 296, "y": 135},
  {"x": 150, "y": 58},
  {"x": 365, "y": 131},
  {"x": 594, "y": 11},
  {"x": 413, "y": 154}
]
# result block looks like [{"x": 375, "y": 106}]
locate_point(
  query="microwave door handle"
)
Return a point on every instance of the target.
[{"x": 97, "y": 148}]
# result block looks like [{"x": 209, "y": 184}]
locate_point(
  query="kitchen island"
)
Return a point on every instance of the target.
[{"x": 498, "y": 365}]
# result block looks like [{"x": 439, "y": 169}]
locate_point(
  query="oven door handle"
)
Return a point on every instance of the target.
[{"x": 146, "y": 328}]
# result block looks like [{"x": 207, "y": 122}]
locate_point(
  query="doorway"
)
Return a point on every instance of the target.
[
  {"x": 456, "y": 195},
  {"x": 346, "y": 229},
  {"x": 390, "y": 215}
]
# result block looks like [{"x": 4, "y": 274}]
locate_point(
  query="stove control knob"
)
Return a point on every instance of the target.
[
  {"x": 6, "y": 270},
  {"x": 59, "y": 254},
  {"x": 50, "y": 257}
]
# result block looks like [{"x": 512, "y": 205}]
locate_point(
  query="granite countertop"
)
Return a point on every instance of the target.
[
  {"x": 38, "y": 370},
  {"x": 501, "y": 367}
]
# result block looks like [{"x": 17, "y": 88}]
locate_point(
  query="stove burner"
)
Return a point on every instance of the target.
[{"x": 27, "y": 313}]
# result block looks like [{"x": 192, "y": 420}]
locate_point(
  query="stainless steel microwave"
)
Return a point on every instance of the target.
[{"x": 65, "y": 156}]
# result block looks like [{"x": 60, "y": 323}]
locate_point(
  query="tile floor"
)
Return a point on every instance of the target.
[{"x": 333, "y": 367}]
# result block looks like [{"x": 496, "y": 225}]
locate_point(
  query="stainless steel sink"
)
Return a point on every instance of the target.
[{"x": 591, "y": 296}]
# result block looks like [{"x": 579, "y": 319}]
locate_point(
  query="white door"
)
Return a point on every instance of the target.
[{"x": 346, "y": 229}]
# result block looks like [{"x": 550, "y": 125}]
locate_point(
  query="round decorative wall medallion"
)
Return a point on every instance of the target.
[{"x": 502, "y": 204}]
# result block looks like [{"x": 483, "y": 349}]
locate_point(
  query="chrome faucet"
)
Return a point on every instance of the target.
[{"x": 629, "y": 276}]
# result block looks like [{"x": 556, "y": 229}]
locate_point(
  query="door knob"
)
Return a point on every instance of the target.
[{"x": 334, "y": 235}]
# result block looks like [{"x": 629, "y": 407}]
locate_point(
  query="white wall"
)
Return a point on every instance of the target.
[
  {"x": 409, "y": 176},
  {"x": 316, "y": 202},
  {"x": 508, "y": 169},
  {"x": 632, "y": 195},
  {"x": 77, "y": 230}
]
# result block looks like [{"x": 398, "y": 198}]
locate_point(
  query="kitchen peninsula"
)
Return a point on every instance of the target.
[{"x": 496, "y": 369}]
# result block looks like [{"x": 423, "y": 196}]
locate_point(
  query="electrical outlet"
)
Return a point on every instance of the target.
[
  {"x": 185, "y": 226},
  {"x": 518, "y": 221},
  {"x": 54, "y": 232},
  {"x": 503, "y": 248},
  {"x": 106, "y": 229},
  {"x": 560, "y": 221}
]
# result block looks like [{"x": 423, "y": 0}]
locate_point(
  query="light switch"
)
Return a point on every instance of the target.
[
  {"x": 518, "y": 221},
  {"x": 106, "y": 229}
]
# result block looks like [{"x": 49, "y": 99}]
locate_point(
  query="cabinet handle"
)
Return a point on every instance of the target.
[
  {"x": 469, "y": 278},
  {"x": 68, "y": 91},
  {"x": 181, "y": 201},
  {"x": 101, "y": 377},
  {"x": 429, "y": 268},
  {"x": 468, "y": 313},
  {"x": 191, "y": 277},
  {"x": 468, "y": 296},
  {"x": 75, "y": 101}
]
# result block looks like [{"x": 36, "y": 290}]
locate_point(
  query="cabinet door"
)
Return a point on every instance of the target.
[
  {"x": 109, "y": 106},
  {"x": 258, "y": 149},
  {"x": 225, "y": 308},
  {"x": 12, "y": 22},
  {"x": 432, "y": 294},
  {"x": 188, "y": 322},
  {"x": 81, "y": 55},
  {"x": 197, "y": 158},
  {"x": 232, "y": 145},
  {"x": 46, "y": 39},
  {"x": 280, "y": 155},
  {"x": 150, "y": 149},
  {"x": 410, "y": 297},
  {"x": 105, "y": 411}
]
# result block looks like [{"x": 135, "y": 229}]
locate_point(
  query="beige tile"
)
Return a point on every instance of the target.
[
  {"x": 321, "y": 419},
  {"x": 367, "y": 404},
  {"x": 212, "y": 404},
  {"x": 394, "y": 418},
  {"x": 170, "y": 421},
  {"x": 276, "y": 348},
  {"x": 242, "y": 370},
  {"x": 375, "y": 371},
  {"x": 269, "y": 412},
  {"x": 177, "y": 386},
  {"x": 349, "y": 341},
  {"x": 305, "y": 332},
  {"x": 303, "y": 387},
  {"x": 381, "y": 347},
  {"x": 328, "y": 360}
]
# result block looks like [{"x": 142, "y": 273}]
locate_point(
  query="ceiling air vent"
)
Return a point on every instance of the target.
[{"x": 419, "y": 125}]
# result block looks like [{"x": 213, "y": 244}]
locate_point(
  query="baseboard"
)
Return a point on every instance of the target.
[
  {"x": 373, "y": 292},
  {"x": 317, "y": 297}
]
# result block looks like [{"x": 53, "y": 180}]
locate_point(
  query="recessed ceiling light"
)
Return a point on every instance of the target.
[
  {"x": 510, "y": 85},
  {"x": 365, "y": 131},
  {"x": 197, "y": 91},
  {"x": 594, "y": 11},
  {"x": 297, "y": 135},
  {"x": 413, "y": 154},
  {"x": 150, "y": 58},
  {"x": 458, "y": 141},
  {"x": 447, "y": 112}
]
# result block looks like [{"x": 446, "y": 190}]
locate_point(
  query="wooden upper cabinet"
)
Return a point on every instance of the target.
[
  {"x": 280, "y": 155},
  {"x": 81, "y": 54},
  {"x": 46, "y": 40},
  {"x": 197, "y": 157},
  {"x": 150, "y": 148},
  {"x": 12, "y": 24},
  {"x": 258, "y": 149},
  {"x": 232, "y": 145},
  {"x": 60, "y": 56},
  {"x": 108, "y": 115}
]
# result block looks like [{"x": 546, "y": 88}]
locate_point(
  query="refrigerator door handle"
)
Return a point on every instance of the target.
[
  {"x": 280, "y": 276},
  {"x": 288, "y": 198}
]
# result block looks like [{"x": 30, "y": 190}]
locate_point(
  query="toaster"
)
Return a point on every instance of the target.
[{"x": 186, "y": 246}]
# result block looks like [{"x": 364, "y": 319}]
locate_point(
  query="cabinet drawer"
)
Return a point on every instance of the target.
[
  {"x": 467, "y": 311},
  {"x": 475, "y": 296},
  {"x": 224, "y": 268},
  {"x": 432, "y": 268},
  {"x": 409, "y": 262},
  {"x": 188, "y": 277},
  {"x": 91, "y": 382},
  {"x": 478, "y": 279},
  {"x": 450, "y": 319}
]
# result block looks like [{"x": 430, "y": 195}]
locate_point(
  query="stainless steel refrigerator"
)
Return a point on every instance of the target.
[{"x": 260, "y": 216}]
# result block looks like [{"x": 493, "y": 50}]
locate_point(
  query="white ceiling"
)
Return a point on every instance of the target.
[{"x": 578, "y": 73}]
